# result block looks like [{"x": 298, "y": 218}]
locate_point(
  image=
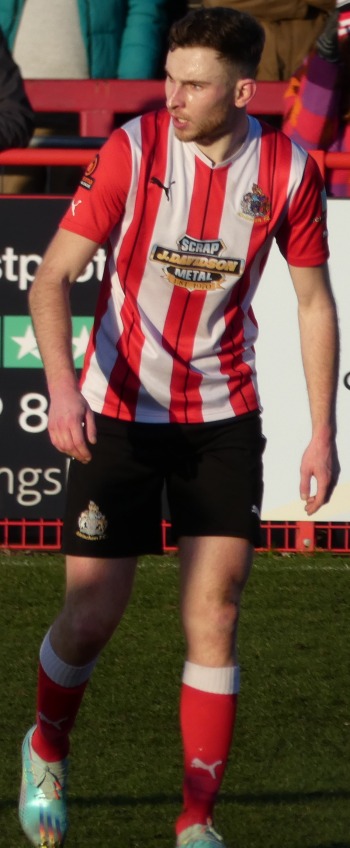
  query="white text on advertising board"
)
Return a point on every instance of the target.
[{"x": 20, "y": 268}]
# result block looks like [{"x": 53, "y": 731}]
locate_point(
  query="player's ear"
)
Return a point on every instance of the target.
[{"x": 244, "y": 92}]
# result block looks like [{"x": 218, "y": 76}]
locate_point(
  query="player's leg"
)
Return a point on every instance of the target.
[
  {"x": 214, "y": 571},
  {"x": 112, "y": 515},
  {"x": 97, "y": 593},
  {"x": 215, "y": 498}
]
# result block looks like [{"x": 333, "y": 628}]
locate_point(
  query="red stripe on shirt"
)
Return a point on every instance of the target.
[
  {"x": 122, "y": 393},
  {"x": 273, "y": 177},
  {"x": 186, "y": 306}
]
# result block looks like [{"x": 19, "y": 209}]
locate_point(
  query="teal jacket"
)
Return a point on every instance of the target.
[{"x": 124, "y": 39}]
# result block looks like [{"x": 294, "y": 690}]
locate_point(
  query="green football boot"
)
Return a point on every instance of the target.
[
  {"x": 42, "y": 803},
  {"x": 199, "y": 836}
]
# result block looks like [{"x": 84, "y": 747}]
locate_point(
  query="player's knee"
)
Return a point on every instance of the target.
[
  {"x": 224, "y": 617},
  {"x": 88, "y": 630},
  {"x": 214, "y": 618}
]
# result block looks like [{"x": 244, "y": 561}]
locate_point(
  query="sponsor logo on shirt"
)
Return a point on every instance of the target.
[
  {"x": 166, "y": 189},
  {"x": 197, "y": 264},
  {"x": 88, "y": 180},
  {"x": 74, "y": 205}
]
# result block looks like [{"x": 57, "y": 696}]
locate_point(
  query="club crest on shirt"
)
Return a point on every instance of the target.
[
  {"x": 92, "y": 524},
  {"x": 197, "y": 265},
  {"x": 256, "y": 206}
]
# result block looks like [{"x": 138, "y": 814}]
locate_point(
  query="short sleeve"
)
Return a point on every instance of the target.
[
  {"x": 302, "y": 237},
  {"x": 99, "y": 202}
]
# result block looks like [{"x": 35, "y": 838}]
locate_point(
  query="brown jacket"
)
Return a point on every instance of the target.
[{"x": 291, "y": 29}]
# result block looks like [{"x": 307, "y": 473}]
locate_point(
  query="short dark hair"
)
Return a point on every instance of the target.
[{"x": 236, "y": 36}]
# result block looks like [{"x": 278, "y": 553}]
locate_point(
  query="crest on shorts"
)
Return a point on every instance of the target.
[
  {"x": 92, "y": 523},
  {"x": 255, "y": 205}
]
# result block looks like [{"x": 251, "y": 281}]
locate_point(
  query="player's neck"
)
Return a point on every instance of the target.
[{"x": 228, "y": 144}]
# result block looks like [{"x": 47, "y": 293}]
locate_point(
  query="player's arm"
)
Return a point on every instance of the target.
[
  {"x": 70, "y": 417},
  {"x": 320, "y": 354}
]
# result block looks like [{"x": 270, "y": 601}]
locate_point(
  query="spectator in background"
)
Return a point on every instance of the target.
[
  {"x": 81, "y": 39},
  {"x": 291, "y": 29},
  {"x": 317, "y": 114},
  {"x": 16, "y": 115}
]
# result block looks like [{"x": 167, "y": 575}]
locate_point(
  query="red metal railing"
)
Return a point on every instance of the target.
[
  {"x": 97, "y": 102},
  {"x": 24, "y": 534},
  {"x": 36, "y": 156},
  {"x": 47, "y": 156},
  {"x": 283, "y": 536},
  {"x": 329, "y": 161}
]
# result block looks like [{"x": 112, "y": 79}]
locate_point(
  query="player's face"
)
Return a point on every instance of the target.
[{"x": 199, "y": 93}]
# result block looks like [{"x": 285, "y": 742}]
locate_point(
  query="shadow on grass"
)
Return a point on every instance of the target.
[{"x": 278, "y": 798}]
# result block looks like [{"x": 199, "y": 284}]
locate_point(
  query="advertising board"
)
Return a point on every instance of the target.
[{"x": 33, "y": 473}]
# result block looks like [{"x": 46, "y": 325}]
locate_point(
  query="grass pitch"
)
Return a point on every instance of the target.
[{"x": 288, "y": 780}]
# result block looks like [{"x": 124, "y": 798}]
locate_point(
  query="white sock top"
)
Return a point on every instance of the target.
[
  {"x": 219, "y": 681},
  {"x": 59, "y": 671}
]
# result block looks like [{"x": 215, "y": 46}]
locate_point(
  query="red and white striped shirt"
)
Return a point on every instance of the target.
[{"x": 187, "y": 241}]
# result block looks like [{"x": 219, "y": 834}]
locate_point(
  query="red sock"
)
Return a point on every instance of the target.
[
  {"x": 57, "y": 707},
  {"x": 207, "y": 722}
]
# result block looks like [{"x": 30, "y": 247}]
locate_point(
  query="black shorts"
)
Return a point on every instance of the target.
[{"x": 210, "y": 476}]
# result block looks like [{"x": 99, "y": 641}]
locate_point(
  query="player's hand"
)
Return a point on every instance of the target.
[
  {"x": 320, "y": 461},
  {"x": 71, "y": 424}
]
